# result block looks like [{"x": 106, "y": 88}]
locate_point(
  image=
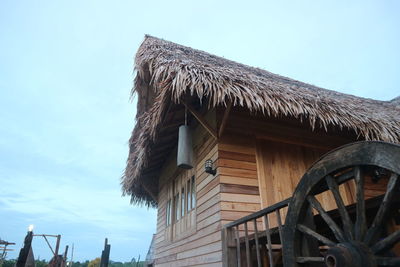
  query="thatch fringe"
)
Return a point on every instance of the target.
[{"x": 176, "y": 70}]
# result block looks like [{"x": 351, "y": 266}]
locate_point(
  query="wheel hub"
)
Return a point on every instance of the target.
[{"x": 349, "y": 255}]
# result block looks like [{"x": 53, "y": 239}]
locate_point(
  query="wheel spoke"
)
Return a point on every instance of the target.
[
  {"x": 304, "y": 229},
  {"x": 387, "y": 243},
  {"x": 309, "y": 259},
  {"x": 340, "y": 179},
  {"x": 331, "y": 223},
  {"x": 387, "y": 261},
  {"x": 360, "y": 225},
  {"x": 347, "y": 224},
  {"x": 383, "y": 209}
]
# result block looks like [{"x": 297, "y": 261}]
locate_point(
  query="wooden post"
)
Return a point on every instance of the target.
[
  {"x": 105, "y": 254},
  {"x": 72, "y": 255},
  {"x": 64, "y": 262},
  {"x": 57, "y": 259},
  {"x": 57, "y": 246},
  {"x": 23, "y": 254},
  {"x": 224, "y": 119},
  {"x": 229, "y": 257}
]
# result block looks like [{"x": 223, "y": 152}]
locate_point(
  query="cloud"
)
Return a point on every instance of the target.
[
  {"x": 60, "y": 164},
  {"x": 83, "y": 214},
  {"x": 58, "y": 198}
]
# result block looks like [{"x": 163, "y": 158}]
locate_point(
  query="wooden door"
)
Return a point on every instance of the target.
[{"x": 280, "y": 167}]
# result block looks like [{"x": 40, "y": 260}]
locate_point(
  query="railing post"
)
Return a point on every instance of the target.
[
  {"x": 233, "y": 242},
  {"x": 229, "y": 256}
]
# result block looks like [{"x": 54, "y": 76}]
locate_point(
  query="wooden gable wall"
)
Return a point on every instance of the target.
[{"x": 201, "y": 245}]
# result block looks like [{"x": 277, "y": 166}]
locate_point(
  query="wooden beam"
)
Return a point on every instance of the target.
[
  {"x": 201, "y": 120},
  {"x": 225, "y": 119}
]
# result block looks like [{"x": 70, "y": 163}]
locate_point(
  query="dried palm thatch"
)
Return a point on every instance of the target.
[{"x": 168, "y": 71}]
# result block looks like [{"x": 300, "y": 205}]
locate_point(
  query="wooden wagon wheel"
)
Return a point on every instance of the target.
[{"x": 352, "y": 238}]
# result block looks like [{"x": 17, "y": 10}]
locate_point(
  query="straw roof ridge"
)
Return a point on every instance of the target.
[
  {"x": 395, "y": 101},
  {"x": 174, "y": 70}
]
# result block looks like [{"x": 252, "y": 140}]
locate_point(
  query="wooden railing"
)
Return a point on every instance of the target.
[{"x": 243, "y": 246}]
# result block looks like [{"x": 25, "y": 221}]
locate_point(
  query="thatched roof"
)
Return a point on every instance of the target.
[
  {"x": 167, "y": 71},
  {"x": 395, "y": 101}
]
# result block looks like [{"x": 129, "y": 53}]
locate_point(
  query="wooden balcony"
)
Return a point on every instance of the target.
[{"x": 255, "y": 240}]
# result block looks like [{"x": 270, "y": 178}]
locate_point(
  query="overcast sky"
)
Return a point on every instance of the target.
[{"x": 65, "y": 80}]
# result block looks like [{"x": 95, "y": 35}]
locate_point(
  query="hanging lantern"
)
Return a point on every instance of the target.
[{"x": 185, "y": 148}]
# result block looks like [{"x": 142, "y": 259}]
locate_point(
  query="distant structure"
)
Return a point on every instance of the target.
[
  {"x": 3, "y": 250},
  {"x": 56, "y": 261},
  {"x": 26, "y": 253},
  {"x": 30, "y": 260},
  {"x": 105, "y": 254},
  {"x": 149, "y": 262}
]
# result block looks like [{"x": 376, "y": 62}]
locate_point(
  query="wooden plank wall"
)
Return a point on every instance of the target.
[
  {"x": 234, "y": 191},
  {"x": 239, "y": 150},
  {"x": 286, "y": 144},
  {"x": 201, "y": 246},
  {"x": 237, "y": 170},
  {"x": 281, "y": 167}
]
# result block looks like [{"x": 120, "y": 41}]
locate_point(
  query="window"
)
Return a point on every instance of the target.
[
  {"x": 169, "y": 212},
  {"x": 176, "y": 204},
  {"x": 183, "y": 202},
  {"x": 188, "y": 196},
  {"x": 193, "y": 193},
  {"x": 180, "y": 206}
]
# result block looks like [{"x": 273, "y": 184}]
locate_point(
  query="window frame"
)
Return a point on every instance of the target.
[
  {"x": 176, "y": 208},
  {"x": 180, "y": 216}
]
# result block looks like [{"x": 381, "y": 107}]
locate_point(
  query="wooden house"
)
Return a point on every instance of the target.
[{"x": 260, "y": 130}]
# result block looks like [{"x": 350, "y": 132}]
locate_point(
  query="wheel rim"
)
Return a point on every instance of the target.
[{"x": 357, "y": 241}]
